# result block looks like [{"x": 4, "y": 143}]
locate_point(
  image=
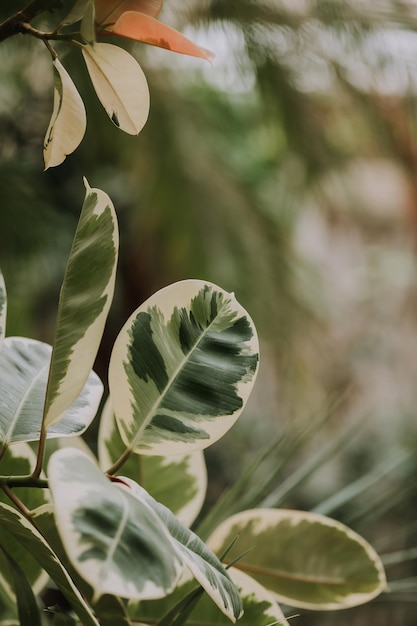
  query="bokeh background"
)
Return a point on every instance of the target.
[{"x": 286, "y": 173}]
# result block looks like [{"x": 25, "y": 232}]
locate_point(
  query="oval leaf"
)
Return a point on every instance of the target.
[
  {"x": 114, "y": 541},
  {"x": 24, "y": 366},
  {"x": 307, "y": 560},
  {"x": 179, "y": 482},
  {"x": 108, "y": 11},
  {"x": 147, "y": 29},
  {"x": 203, "y": 564},
  {"x": 3, "y": 309},
  {"x": 86, "y": 296},
  {"x": 120, "y": 85},
  {"x": 34, "y": 545},
  {"x": 68, "y": 122},
  {"x": 182, "y": 369}
]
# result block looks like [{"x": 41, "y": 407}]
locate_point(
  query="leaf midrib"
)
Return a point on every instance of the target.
[{"x": 303, "y": 578}]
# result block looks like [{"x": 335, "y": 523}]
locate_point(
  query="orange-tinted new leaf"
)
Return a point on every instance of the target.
[
  {"x": 108, "y": 11},
  {"x": 146, "y": 29}
]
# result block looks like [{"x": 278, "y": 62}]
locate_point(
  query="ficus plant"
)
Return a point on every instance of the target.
[{"x": 110, "y": 530}]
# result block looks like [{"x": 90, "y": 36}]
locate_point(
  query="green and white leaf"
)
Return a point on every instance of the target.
[
  {"x": 120, "y": 85},
  {"x": 204, "y": 565},
  {"x": 86, "y": 296},
  {"x": 24, "y": 366},
  {"x": 19, "y": 460},
  {"x": 3, "y": 309},
  {"x": 178, "y": 482},
  {"x": 33, "y": 546},
  {"x": 307, "y": 560},
  {"x": 68, "y": 122},
  {"x": 112, "y": 539},
  {"x": 26, "y": 602},
  {"x": 182, "y": 369}
]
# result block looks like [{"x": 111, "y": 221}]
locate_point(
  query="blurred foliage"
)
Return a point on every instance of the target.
[{"x": 285, "y": 173}]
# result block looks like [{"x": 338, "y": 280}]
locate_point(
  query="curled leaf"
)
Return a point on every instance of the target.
[
  {"x": 147, "y": 29},
  {"x": 3, "y": 309},
  {"x": 120, "y": 85},
  {"x": 68, "y": 122}
]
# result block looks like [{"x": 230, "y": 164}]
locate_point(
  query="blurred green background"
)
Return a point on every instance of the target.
[{"x": 285, "y": 172}]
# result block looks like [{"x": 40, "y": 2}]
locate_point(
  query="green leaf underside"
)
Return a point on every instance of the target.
[
  {"x": 24, "y": 366},
  {"x": 15, "y": 525},
  {"x": 178, "y": 482},
  {"x": 204, "y": 565},
  {"x": 86, "y": 296},
  {"x": 305, "y": 559},
  {"x": 3, "y": 309},
  {"x": 114, "y": 541},
  {"x": 188, "y": 377}
]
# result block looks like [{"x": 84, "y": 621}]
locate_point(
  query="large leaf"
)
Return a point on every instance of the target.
[
  {"x": 68, "y": 122},
  {"x": 14, "y": 525},
  {"x": 24, "y": 366},
  {"x": 178, "y": 482},
  {"x": 85, "y": 300},
  {"x": 108, "y": 11},
  {"x": 120, "y": 85},
  {"x": 182, "y": 369},
  {"x": 306, "y": 560},
  {"x": 147, "y": 29},
  {"x": 203, "y": 564},
  {"x": 3, "y": 309},
  {"x": 112, "y": 539}
]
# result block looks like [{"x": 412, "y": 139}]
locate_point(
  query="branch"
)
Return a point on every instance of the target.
[{"x": 14, "y": 24}]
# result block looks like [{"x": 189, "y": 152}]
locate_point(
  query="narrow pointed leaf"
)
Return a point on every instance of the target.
[
  {"x": 86, "y": 296},
  {"x": 182, "y": 369},
  {"x": 3, "y": 309},
  {"x": 24, "y": 366},
  {"x": 120, "y": 85},
  {"x": 178, "y": 482},
  {"x": 15, "y": 525},
  {"x": 306, "y": 560},
  {"x": 77, "y": 12},
  {"x": 147, "y": 29},
  {"x": 203, "y": 564},
  {"x": 88, "y": 25},
  {"x": 27, "y": 606},
  {"x": 68, "y": 122},
  {"x": 114, "y": 541},
  {"x": 108, "y": 11}
]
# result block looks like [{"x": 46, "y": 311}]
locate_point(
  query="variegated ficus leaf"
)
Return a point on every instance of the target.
[
  {"x": 203, "y": 564},
  {"x": 147, "y": 29},
  {"x": 117, "y": 543},
  {"x": 3, "y": 309},
  {"x": 32, "y": 545},
  {"x": 86, "y": 296},
  {"x": 120, "y": 85},
  {"x": 179, "y": 482},
  {"x": 108, "y": 11},
  {"x": 182, "y": 369},
  {"x": 24, "y": 367},
  {"x": 68, "y": 122},
  {"x": 307, "y": 560}
]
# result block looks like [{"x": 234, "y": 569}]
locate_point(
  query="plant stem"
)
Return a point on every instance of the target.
[
  {"x": 41, "y": 453},
  {"x": 118, "y": 464},
  {"x": 22, "y": 481},
  {"x": 13, "y": 24},
  {"x": 18, "y": 503}
]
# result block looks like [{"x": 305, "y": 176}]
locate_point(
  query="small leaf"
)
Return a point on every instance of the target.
[
  {"x": 120, "y": 85},
  {"x": 306, "y": 560},
  {"x": 3, "y": 309},
  {"x": 114, "y": 541},
  {"x": 68, "y": 122},
  {"x": 27, "y": 606},
  {"x": 88, "y": 24},
  {"x": 77, "y": 12},
  {"x": 203, "y": 564},
  {"x": 24, "y": 366},
  {"x": 14, "y": 524},
  {"x": 178, "y": 482},
  {"x": 147, "y": 29},
  {"x": 86, "y": 296},
  {"x": 182, "y": 369},
  {"x": 108, "y": 11}
]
